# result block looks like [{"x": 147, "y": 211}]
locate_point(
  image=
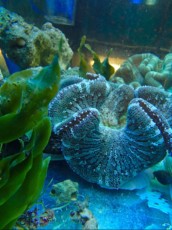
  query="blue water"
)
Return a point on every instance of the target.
[
  {"x": 61, "y": 7},
  {"x": 112, "y": 209}
]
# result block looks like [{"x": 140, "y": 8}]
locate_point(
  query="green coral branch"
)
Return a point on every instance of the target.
[
  {"x": 84, "y": 66},
  {"x": 104, "y": 68}
]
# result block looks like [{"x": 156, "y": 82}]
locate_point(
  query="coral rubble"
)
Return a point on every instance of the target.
[
  {"x": 109, "y": 133},
  {"x": 29, "y": 46},
  {"x": 32, "y": 219},
  {"x": 84, "y": 216}
]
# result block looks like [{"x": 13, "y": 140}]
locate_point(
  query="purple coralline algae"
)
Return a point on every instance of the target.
[{"x": 109, "y": 133}]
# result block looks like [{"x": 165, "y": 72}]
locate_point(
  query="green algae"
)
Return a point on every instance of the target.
[
  {"x": 26, "y": 103},
  {"x": 24, "y": 99}
]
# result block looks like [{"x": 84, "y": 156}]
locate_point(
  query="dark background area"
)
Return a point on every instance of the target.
[{"x": 117, "y": 22}]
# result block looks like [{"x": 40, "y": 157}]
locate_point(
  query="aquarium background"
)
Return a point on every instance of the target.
[
  {"x": 129, "y": 27},
  {"x": 126, "y": 22}
]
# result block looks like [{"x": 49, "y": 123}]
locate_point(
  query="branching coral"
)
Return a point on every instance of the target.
[
  {"x": 97, "y": 141},
  {"x": 147, "y": 69},
  {"x": 24, "y": 98},
  {"x": 29, "y": 46}
]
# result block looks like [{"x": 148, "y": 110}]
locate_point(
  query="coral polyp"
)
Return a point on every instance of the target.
[{"x": 87, "y": 126}]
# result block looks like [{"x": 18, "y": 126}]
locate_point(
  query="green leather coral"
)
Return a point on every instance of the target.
[{"x": 24, "y": 99}]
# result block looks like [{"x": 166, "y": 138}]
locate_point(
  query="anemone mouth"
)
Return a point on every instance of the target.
[
  {"x": 122, "y": 122},
  {"x": 113, "y": 122}
]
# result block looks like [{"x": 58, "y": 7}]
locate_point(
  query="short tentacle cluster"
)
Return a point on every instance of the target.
[
  {"x": 109, "y": 133},
  {"x": 146, "y": 69}
]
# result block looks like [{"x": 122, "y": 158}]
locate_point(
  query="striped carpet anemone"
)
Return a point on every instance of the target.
[{"x": 110, "y": 133}]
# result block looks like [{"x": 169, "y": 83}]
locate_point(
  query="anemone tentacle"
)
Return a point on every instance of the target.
[{"x": 109, "y": 133}]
